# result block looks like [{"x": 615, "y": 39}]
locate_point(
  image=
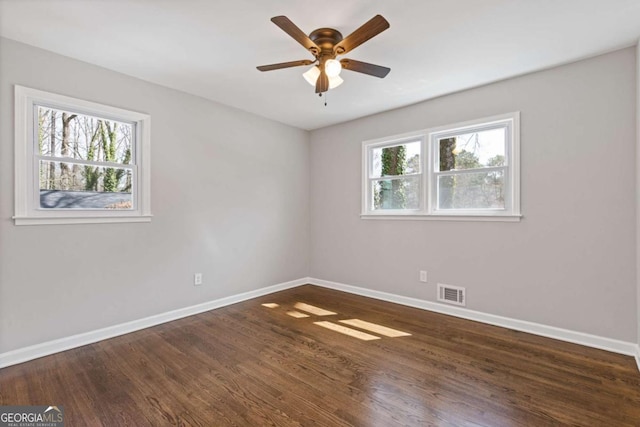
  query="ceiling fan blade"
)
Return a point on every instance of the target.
[
  {"x": 322, "y": 84},
  {"x": 271, "y": 67},
  {"x": 365, "y": 68},
  {"x": 370, "y": 29},
  {"x": 290, "y": 28}
]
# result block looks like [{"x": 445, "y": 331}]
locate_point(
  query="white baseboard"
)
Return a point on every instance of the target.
[
  {"x": 616, "y": 346},
  {"x": 50, "y": 347}
]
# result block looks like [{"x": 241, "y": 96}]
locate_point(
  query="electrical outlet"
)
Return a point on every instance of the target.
[
  {"x": 197, "y": 279},
  {"x": 423, "y": 276}
]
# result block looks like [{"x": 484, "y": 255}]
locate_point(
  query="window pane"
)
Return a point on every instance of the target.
[
  {"x": 74, "y": 186},
  {"x": 401, "y": 159},
  {"x": 472, "y": 150},
  {"x": 399, "y": 193},
  {"x": 78, "y": 136},
  {"x": 471, "y": 191}
]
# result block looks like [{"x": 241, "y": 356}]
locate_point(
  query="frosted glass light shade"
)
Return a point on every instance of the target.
[
  {"x": 332, "y": 67},
  {"x": 334, "y": 82},
  {"x": 311, "y": 76}
]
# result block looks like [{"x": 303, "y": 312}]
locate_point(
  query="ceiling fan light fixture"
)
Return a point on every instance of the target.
[
  {"x": 324, "y": 44},
  {"x": 334, "y": 82},
  {"x": 311, "y": 76},
  {"x": 332, "y": 67}
]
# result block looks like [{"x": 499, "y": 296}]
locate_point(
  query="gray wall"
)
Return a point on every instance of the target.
[
  {"x": 230, "y": 195},
  {"x": 569, "y": 263},
  {"x": 229, "y": 199}
]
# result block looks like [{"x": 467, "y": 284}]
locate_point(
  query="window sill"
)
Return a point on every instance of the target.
[
  {"x": 50, "y": 220},
  {"x": 479, "y": 218}
]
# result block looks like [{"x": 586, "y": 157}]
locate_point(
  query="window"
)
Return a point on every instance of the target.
[
  {"x": 462, "y": 171},
  {"x": 79, "y": 162},
  {"x": 395, "y": 175}
]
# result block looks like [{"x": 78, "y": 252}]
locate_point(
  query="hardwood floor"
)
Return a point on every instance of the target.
[{"x": 250, "y": 365}]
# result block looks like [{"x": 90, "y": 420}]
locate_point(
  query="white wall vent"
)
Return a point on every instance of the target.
[{"x": 451, "y": 294}]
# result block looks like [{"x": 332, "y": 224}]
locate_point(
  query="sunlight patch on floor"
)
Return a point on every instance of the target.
[
  {"x": 297, "y": 314},
  {"x": 347, "y": 331},
  {"x": 374, "y": 327},
  {"x": 313, "y": 309},
  {"x": 308, "y": 310}
]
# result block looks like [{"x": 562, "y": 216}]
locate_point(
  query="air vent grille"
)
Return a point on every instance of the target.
[{"x": 451, "y": 294}]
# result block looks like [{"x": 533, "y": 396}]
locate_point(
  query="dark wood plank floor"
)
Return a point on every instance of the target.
[{"x": 248, "y": 365}]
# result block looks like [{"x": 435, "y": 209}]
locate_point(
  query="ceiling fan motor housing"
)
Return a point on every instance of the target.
[{"x": 326, "y": 39}]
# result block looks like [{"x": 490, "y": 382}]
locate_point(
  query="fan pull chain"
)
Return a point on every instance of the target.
[{"x": 325, "y": 98}]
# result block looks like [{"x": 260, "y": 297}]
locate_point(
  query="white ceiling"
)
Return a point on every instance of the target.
[{"x": 210, "y": 48}]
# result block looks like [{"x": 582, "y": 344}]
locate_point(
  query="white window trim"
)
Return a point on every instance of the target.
[
  {"x": 428, "y": 156},
  {"x": 366, "y": 163},
  {"x": 27, "y": 212}
]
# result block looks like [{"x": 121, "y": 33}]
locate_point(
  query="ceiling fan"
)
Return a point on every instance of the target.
[{"x": 325, "y": 44}]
